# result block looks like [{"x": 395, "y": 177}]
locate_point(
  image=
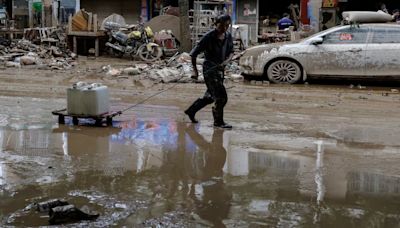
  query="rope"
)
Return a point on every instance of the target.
[
  {"x": 163, "y": 91},
  {"x": 148, "y": 98}
]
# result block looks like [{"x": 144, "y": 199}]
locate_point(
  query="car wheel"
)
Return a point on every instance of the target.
[{"x": 284, "y": 71}]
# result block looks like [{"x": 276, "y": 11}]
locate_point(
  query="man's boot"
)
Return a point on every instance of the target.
[
  {"x": 194, "y": 108},
  {"x": 219, "y": 119}
]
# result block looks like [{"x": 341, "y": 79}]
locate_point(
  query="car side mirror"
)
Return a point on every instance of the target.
[{"x": 317, "y": 41}]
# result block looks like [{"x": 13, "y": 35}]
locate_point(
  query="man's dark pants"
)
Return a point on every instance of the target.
[{"x": 216, "y": 93}]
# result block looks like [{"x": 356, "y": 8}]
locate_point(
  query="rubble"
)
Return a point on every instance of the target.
[
  {"x": 178, "y": 69},
  {"x": 27, "y": 60},
  {"x": 166, "y": 75},
  {"x": 236, "y": 77},
  {"x": 111, "y": 71},
  {"x": 12, "y": 64},
  {"x": 131, "y": 71},
  {"x": 24, "y": 52}
]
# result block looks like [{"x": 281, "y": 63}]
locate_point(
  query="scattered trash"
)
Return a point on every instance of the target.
[
  {"x": 12, "y": 64},
  {"x": 166, "y": 75},
  {"x": 131, "y": 71},
  {"x": 361, "y": 87},
  {"x": 47, "y": 205},
  {"x": 178, "y": 69},
  {"x": 236, "y": 77},
  {"x": 61, "y": 212},
  {"x": 25, "y": 52},
  {"x": 69, "y": 213},
  {"x": 113, "y": 72},
  {"x": 184, "y": 57},
  {"x": 27, "y": 60}
]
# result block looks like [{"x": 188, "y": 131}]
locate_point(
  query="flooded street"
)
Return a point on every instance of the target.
[{"x": 298, "y": 156}]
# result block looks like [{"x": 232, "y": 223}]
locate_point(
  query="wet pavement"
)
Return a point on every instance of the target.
[{"x": 151, "y": 169}]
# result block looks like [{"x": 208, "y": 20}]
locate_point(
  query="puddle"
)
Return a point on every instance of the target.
[{"x": 152, "y": 172}]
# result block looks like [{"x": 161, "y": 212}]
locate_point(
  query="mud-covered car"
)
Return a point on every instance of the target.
[{"x": 350, "y": 51}]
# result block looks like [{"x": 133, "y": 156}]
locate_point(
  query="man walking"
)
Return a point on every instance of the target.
[{"x": 217, "y": 46}]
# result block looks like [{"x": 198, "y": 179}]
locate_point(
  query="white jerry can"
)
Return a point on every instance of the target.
[{"x": 88, "y": 99}]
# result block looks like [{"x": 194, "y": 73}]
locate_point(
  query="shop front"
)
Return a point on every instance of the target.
[
  {"x": 263, "y": 16},
  {"x": 129, "y": 9}
]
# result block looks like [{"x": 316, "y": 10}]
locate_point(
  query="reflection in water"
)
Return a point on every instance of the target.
[
  {"x": 262, "y": 162},
  {"x": 214, "y": 200},
  {"x": 192, "y": 174},
  {"x": 34, "y": 142},
  {"x": 2, "y": 177},
  {"x": 373, "y": 184},
  {"x": 175, "y": 167},
  {"x": 319, "y": 180}
]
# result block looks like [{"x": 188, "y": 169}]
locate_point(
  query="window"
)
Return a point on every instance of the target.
[
  {"x": 347, "y": 36},
  {"x": 385, "y": 35}
]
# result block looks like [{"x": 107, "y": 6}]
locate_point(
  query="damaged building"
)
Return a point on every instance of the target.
[
  {"x": 262, "y": 16},
  {"x": 257, "y": 18}
]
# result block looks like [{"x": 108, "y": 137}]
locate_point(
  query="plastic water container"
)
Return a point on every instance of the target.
[{"x": 88, "y": 99}]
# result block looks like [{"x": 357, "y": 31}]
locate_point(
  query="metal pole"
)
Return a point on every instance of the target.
[
  {"x": 30, "y": 13},
  {"x": 78, "y": 5},
  {"x": 185, "y": 40}
]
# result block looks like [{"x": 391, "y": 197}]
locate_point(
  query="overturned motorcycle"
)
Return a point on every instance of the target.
[{"x": 136, "y": 43}]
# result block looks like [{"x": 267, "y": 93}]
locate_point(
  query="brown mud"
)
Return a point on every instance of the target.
[{"x": 298, "y": 156}]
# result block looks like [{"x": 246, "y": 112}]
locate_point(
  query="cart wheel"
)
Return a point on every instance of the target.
[
  {"x": 75, "y": 120},
  {"x": 99, "y": 122},
  {"x": 109, "y": 121},
  {"x": 61, "y": 119}
]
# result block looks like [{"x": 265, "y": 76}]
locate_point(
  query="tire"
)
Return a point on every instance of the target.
[
  {"x": 115, "y": 53},
  {"x": 98, "y": 122},
  {"x": 150, "y": 56},
  {"x": 118, "y": 54},
  {"x": 109, "y": 121},
  {"x": 284, "y": 72},
  {"x": 75, "y": 120}
]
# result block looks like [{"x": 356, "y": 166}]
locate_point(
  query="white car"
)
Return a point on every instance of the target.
[{"x": 365, "y": 50}]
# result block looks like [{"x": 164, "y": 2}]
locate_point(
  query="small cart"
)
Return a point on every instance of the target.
[{"x": 97, "y": 118}]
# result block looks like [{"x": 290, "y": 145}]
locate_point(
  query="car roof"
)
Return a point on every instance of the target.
[
  {"x": 381, "y": 25},
  {"x": 366, "y": 25}
]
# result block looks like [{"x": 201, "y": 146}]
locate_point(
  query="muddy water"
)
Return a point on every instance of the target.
[{"x": 163, "y": 171}]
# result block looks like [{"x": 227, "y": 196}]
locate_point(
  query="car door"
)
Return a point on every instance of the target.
[
  {"x": 341, "y": 53},
  {"x": 382, "y": 55}
]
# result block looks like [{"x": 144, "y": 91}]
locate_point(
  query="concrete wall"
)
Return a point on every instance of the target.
[{"x": 129, "y": 9}]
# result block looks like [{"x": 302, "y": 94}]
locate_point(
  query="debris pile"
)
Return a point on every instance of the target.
[
  {"x": 24, "y": 52},
  {"x": 178, "y": 69}
]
